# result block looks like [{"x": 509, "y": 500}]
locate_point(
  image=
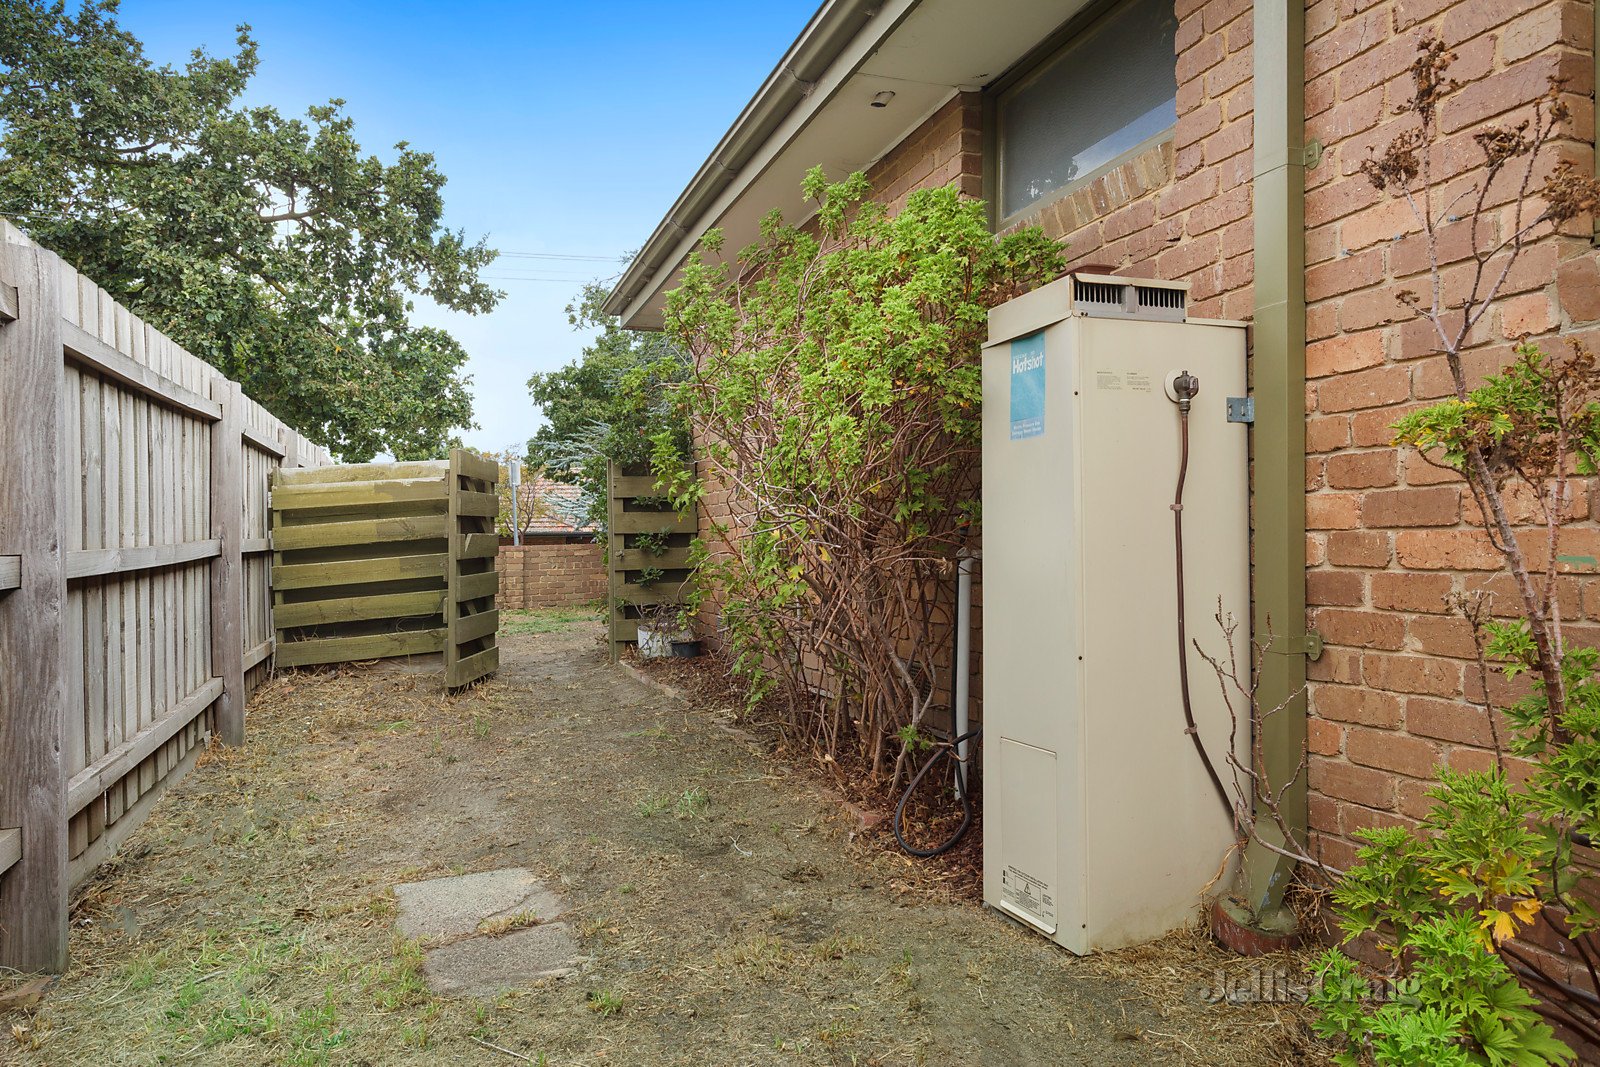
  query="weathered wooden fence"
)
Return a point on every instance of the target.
[
  {"x": 647, "y": 552},
  {"x": 376, "y": 560},
  {"x": 470, "y": 651},
  {"x": 359, "y": 559},
  {"x": 134, "y": 597}
]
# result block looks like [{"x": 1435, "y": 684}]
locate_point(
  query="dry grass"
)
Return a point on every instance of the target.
[{"x": 251, "y": 920}]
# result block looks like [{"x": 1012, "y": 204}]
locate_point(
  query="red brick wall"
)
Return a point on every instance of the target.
[
  {"x": 1181, "y": 210},
  {"x": 550, "y": 575},
  {"x": 1392, "y": 537}
]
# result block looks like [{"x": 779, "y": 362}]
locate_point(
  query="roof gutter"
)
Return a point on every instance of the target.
[{"x": 825, "y": 37}]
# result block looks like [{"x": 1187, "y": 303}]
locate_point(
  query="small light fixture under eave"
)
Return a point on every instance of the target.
[{"x": 882, "y": 99}]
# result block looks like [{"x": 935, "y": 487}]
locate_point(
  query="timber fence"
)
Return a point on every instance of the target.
[
  {"x": 135, "y": 599},
  {"x": 374, "y": 560},
  {"x": 647, "y": 553}
]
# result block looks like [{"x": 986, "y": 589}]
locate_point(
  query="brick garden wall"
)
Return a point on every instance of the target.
[{"x": 551, "y": 575}]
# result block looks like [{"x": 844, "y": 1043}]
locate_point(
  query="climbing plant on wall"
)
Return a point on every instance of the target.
[{"x": 834, "y": 390}]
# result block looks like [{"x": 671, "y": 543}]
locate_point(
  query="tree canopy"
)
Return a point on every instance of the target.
[
  {"x": 609, "y": 404},
  {"x": 270, "y": 246}
]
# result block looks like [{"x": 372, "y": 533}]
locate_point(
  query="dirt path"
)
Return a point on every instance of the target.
[{"x": 728, "y": 913}]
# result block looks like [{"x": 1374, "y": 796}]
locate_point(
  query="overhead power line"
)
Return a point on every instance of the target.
[{"x": 570, "y": 257}]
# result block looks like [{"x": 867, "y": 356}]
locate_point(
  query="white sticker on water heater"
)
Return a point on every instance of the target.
[{"x": 1030, "y": 897}]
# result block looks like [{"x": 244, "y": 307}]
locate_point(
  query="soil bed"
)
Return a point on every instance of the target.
[{"x": 727, "y": 910}]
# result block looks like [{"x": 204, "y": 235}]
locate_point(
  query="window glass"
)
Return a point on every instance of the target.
[{"x": 1108, "y": 91}]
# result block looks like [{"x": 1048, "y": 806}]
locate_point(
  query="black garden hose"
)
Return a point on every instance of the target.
[{"x": 963, "y": 790}]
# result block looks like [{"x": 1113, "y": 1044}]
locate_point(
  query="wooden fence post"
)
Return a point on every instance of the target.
[
  {"x": 614, "y": 542},
  {"x": 227, "y": 570},
  {"x": 33, "y": 784}
]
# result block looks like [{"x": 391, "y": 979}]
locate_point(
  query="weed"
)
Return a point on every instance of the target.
[
  {"x": 250, "y": 1018},
  {"x": 399, "y": 983},
  {"x": 627, "y": 889},
  {"x": 481, "y": 725},
  {"x": 691, "y": 803},
  {"x": 317, "y": 1030},
  {"x": 654, "y": 804},
  {"x": 901, "y": 975},
  {"x": 836, "y": 1032},
  {"x": 838, "y": 947},
  {"x": 141, "y": 973},
  {"x": 592, "y": 929},
  {"x": 507, "y": 923},
  {"x": 783, "y": 912},
  {"x": 605, "y": 1002},
  {"x": 415, "y": 1035}
]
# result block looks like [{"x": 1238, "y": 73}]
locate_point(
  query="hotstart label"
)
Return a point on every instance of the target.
[
  {"x": 1027, "y": 386},
  {"x": 1029, "y": 896}
]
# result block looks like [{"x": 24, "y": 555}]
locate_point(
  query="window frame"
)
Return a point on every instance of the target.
[{"x": 1064, "y": 37}]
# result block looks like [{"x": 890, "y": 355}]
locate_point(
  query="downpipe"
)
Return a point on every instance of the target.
[{"x": 958, "y": 749}]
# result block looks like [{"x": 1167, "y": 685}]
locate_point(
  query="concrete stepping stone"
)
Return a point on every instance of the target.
[{"x": 449, "y": 913}]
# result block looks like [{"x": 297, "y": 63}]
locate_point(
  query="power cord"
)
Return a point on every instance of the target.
[
  {"x": 1186, "y": 386},
  {"x": 947, "y": 750}
]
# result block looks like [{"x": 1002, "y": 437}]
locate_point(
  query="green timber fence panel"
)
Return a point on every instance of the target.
[
  {"x": 647, "y": 552},
  {"x": 470, "y": 652},
  {"x": 360, "y": 561}
]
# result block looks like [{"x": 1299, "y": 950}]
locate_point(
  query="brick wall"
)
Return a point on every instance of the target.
[
  {"x": 1180, "y": 211},
  {"x": 1390, "y": 536},
  {"x": 550, "y": 575}
]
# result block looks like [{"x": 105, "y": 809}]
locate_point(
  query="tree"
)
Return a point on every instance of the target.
[
  {"x": 269, "y": 246},
  {"x": 608, "y": 404}
]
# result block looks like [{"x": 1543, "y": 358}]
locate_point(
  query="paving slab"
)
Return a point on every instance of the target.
[
  {"x": 484, "y": 966},
  {"x": 450, "y": 912},
  {"x": 446, "y": 907}
]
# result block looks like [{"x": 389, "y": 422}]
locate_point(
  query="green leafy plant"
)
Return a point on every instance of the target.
[
  {"x": 653, "y": 544},
  {"x": 833, "y": 386},
  {"x": 1456, "y": 992}
]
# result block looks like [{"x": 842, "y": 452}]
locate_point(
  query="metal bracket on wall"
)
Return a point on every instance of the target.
[
  {"x": 1309, "y": 646},
  {"x": 1242, "y": 409},
  {"x": 1313, "y": 154}
]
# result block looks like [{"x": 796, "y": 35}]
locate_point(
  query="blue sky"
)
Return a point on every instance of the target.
[{"x": 563, "y": 128}]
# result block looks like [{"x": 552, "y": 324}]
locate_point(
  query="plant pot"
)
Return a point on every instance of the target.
[
  {"x": 656, "y": 643},
  {"x": 685, "y": 649}
]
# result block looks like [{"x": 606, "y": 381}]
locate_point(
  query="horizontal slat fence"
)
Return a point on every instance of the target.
[
  {"x": 470, "y": 651},
  {"x": 647, "y": 552},
  {"x": 134, "y": 596},
  {"x": 359, "y": 561}
]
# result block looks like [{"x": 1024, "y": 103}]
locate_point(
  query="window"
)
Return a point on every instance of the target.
[{"x": 1109, "y": 91}]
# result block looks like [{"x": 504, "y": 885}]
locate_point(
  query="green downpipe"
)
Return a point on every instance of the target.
[{"x": 1279, "y": 446}]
